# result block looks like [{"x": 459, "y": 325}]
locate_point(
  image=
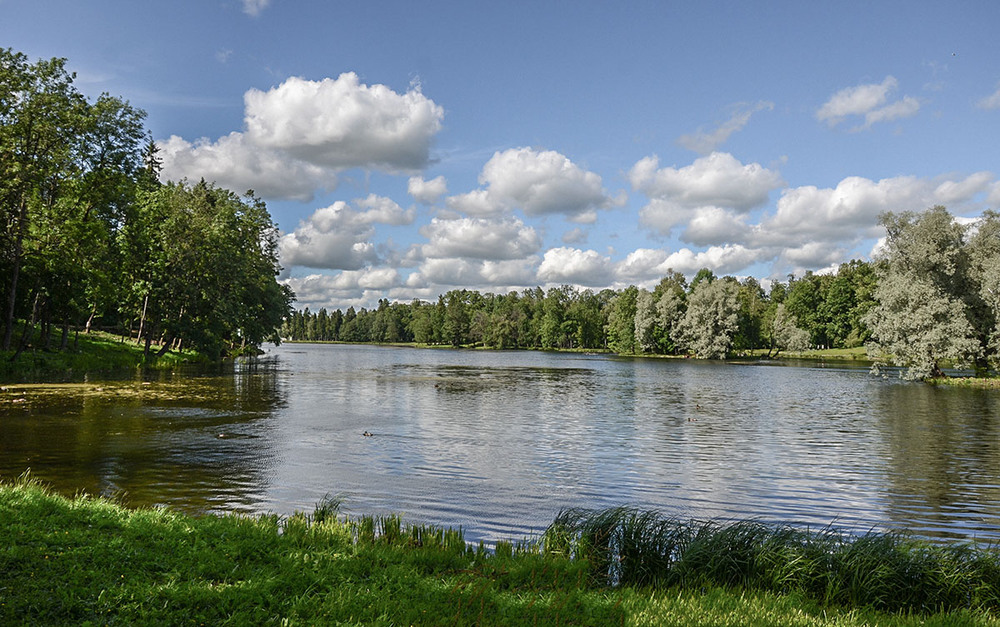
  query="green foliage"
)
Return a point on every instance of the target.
[
  {"x": 92, "y": 237},
  {"x": 621, "y": 321},
  {"x": 91, "y": 561},
  {"x": 630, "y": 321},
  {"x": 886, "y": 571},
  {"x": 929, "y": 304},
  {"x": 711, "y": 319},
  {"x": 200, "y": 264}
]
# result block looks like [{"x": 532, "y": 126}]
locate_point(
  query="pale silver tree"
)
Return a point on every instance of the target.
[
  {"x": 925, "y": 311},
  {"x": 984, "y": 269},
  {"x": 989, "y": 292},
  {"x": 786, "y": 331},
  {"x": 917, "y": 326},
  {"x": 645, "y": 321},
  {"x": 711, "y": 319},
  {"x": 669, "y": 309}
]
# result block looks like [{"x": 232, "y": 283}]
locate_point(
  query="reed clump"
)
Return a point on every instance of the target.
[{"x": 887, "y": 571}]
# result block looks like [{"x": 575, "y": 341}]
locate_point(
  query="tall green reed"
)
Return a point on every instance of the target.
[{"x": 883, "y": 570}]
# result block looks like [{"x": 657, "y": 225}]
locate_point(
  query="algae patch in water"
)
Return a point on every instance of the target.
[{"x": 32, "y": 394}]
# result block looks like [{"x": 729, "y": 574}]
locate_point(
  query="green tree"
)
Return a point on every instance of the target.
[
  {"x": 457, "y": 321},
  {"x": 43, "y": 126},
  {"x": 646, "y": 322},
  {"x": 786, "y": 333},
  {"x": 805, "y": 300},
  {"x": 558, "y": 330},
  {"x": 921, "y": 318},
  {"x": 753, "y": 306},
  {"x": 588, "y": 321},
  {"x": 201, "y": 265},
  {"x": 621, "y": 321}
]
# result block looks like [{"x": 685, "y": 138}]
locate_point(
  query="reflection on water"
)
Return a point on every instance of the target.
[
  {"x": 498, "y": 442},
  {"x": 194, "y": 442},
  {"x": 944, "y": 458}
]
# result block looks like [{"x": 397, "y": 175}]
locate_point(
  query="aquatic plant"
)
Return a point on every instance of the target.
[{"x": 884, "y": 570}]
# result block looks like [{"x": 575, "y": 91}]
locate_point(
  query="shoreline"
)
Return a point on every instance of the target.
[{"x": 87, "y": 559}]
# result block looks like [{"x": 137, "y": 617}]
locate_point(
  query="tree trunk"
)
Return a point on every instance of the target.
[
  {"x": 29, "y": 328},
  {"x": 142, "y": 321},
  {"x": 165, "y": 347},
  {"x": 15, "y": 273},
  {"x": 90, "y": 319},
  {"x": 45, "y": 341}
]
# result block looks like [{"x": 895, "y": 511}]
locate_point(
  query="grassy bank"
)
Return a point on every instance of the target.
[
  {"x": 94, "y": 352},
  {"x": 858, "y": 353},
  {"x": 91, "y": 561},
  {"x": 984, "y": 383}
]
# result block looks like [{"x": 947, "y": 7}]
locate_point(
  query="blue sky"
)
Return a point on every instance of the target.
[{"x": 406, "y": 149}]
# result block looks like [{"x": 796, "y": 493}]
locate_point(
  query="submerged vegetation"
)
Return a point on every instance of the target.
[{"x": 90, "y": 560}]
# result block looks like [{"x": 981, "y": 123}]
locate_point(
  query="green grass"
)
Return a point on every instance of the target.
[
  {"x": 858, "y": 353},
  {"x": 881, "y": 570},
  {"x": 94, "y": 352},
  {"x": 91, "y": 561},
  {"x": 986, "y": 383}
]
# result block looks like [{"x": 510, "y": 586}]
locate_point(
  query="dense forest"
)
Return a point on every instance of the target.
[
  {"x": 709, "y": 317},
  {"x": 92, "y": 237}
]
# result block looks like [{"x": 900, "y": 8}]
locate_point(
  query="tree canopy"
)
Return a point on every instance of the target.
[
  {"x": 91, "y": 236},
  {"x": 936, "y": 294},
  {"x": 713, "y": 317}
]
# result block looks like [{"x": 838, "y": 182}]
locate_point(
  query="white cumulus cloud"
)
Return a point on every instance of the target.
[
  {"x": 234, "y": 163},
  {"x": 718, "y": 180},
  {"x": 868, "y": 101},
  {"x": 479, "y": 238},
  {"x": 358, "y": 288},
  {"x": 300, "y": 134},
  {"x": 850, "y": 211},
  {"x": 427, "y": 192},
  {"x": 343, "y": 123},
  {"x": 538, "y": 183},
  {"x": 338, "y": 237},
  {"x": 714, "y": 225},
  {"x": 729, "y": 259},
  {"x": 713, "y": 186},
  {"x": 576, "y": 267}
]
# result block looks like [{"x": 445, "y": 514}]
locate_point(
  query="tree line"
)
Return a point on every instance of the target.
[
  {"x": 92, "y": 237},
  {"x": 930, "y": 299},
  {"x": 710, "y": 317}
]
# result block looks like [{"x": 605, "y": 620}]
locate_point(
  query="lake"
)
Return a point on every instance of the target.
[{"x": 497, "y": 442}]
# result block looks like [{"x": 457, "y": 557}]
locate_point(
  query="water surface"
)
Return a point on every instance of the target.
[{"x": 499, "y": 442}]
